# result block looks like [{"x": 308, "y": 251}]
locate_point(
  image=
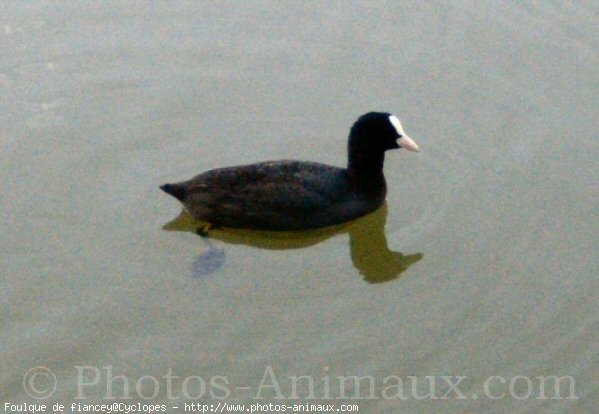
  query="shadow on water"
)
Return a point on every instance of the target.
[{"x": 369, "y": 251}]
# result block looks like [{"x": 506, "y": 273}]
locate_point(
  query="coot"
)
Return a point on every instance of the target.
[{"x": 298, "y": 195}]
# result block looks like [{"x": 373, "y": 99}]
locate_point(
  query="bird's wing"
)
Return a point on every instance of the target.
[{"x": 275, "y": 186}]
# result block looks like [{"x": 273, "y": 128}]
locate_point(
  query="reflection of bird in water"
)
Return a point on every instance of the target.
[{"x": 369, "y": 251}]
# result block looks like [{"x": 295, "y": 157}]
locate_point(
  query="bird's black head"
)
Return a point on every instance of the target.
[{"x": 379, "y": 131}]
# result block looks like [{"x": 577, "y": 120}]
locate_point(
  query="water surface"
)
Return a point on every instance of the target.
[{"x": 102, "y": 102}]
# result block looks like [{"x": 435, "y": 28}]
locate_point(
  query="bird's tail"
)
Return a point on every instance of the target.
[{"x": 179, "y": 191}]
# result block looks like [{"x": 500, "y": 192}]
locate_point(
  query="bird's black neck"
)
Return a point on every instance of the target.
[
  {"x": 365, "y": 169},
  {"x": 365, "y": 163}
]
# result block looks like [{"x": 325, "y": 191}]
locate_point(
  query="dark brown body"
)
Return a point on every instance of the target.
[
  {"x": 297, "y": 195},
  {"x": 279, "y": 195}
]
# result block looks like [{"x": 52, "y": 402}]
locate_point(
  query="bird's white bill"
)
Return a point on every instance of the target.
[
  {"x": 405, "y": 141},
  {"x": 408, "y": 143}
]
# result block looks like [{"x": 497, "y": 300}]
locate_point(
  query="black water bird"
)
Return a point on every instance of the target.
[{"x": 298, "y": 195}]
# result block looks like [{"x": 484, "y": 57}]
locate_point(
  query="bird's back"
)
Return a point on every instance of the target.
[{"x": 274, "y": 195}]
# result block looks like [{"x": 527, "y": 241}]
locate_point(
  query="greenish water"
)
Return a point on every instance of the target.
[{"x": 481, "y": 265}]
